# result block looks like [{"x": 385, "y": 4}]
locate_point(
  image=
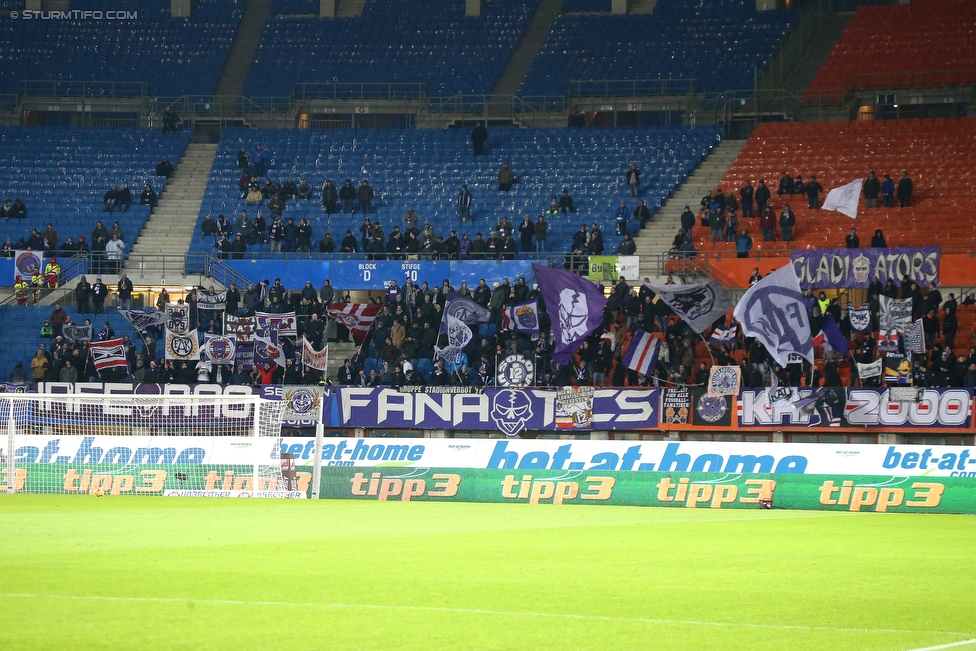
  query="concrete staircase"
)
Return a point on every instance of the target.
[
  {"x": 166, "y": 237},
  {"x": 528, "y": 47},
  {"x": 656, "y": 239},
  {"x": 243, "y": 48},
  {"x": 349, "y": 9}
]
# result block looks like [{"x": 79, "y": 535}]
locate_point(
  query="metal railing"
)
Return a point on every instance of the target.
[
  {"x": 590, "y": 88},
  {"x": 351, "y": 91},
  {"x": 903, "y": 80},
  {"x": 70, "y": 89}
]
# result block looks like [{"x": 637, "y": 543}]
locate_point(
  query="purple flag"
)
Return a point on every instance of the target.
[{"x": 575, "y": 306}]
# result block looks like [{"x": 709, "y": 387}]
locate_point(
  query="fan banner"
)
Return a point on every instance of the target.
[
  {"x": 463, "y": 308},
  {"x": 78, "y": 333},
  {"x": 285, "y": 323},
  {"x": 724, "y": 380},
  {"x": 319, "y": 360},
  {"x": 220, "y": 349},
  {"x": 266, "y": 347},
  {"x": 106, "y": 354},
  {"x": 240, "y": 327},
  {"x": 216, "y": 302},
  {"x": 523, "y": 317},
  {"x": 184, "y": 347},
  {"x": 896, "y": 313},
  {"x": 142, "y": 319},
  {"x": 575, "y": 306},
  {"x": 697, "y": 304},
  {"x": 860, "y": 317},
  {"x": 857, "y": 268},
  {"x": 178, "y": 318}
]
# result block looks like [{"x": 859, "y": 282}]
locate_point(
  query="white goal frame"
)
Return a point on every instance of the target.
[{"x": 215, "y": 430}]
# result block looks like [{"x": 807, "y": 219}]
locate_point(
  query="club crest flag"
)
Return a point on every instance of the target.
[
  {"x": 860, "y": 317},
  {"x": 26, "y": 264},
  {"x": 312, "y": 358},
  {"x": 78, "y": 333},
  {"x": 724, "y": 381},
  {"x": 240, "y": 327},
  {"x": 183, "y": 347},
  {"x": 178, "y": 318},
  {"x": 896, "y": 313},
  {"x": 266, "y": 347},
  {"x": 216, "y": 301},
  {"x": 723, "y": 336},
  {"x": 285, "y": 323},
  {"x": 459, "y": 335},
  {"x": 106, "y": 354},
  {"x": 523, "y": 317},
  {"x": 357, "y": 317},
  {"x": 697, "y": 304},
  {"x": 220, "y": 349},
  {"x": 870, "y": 370},
  {"x": 462, "y": 307},
  {"x": 575, "y": 305},
  {"x": 845, "y": 198},
  {"x": 773, "y": 312},
  {"x": 142, "y": 319},
  {"x": 642, "y": 353}
]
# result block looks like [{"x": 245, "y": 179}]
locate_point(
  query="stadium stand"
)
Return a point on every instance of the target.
[
  {"x": 393, "y": 41},
  {"x": 927, "y": 43},
  {"x": 174, "y": 56},
  {"x": 717, "y": 43},
  {"x": 425, "y": 169},
  {"x": 62, "y": 175},
  {"x": 285, "y": 7},
  {"x": 935, "y": 152}
]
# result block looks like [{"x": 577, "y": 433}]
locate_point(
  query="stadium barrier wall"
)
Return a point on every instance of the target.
[
  {"x": 685, "y": 490},
  {"x": 582, "y": 410}
]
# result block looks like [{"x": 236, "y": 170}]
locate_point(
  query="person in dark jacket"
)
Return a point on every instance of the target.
[
  {"x": 365, "y": 196},
  {"x": 813, "y": 193},
  {"x": 347, "y": 195},
  {"x": 878, "y": 240},
  {"x": 905, "y": 188},
  {"x": 479, "y": 136},
  {"x": 762, "y": 196},
  {"x": 330, "y": 197},
  {"x": 888, "y": 191},
  {"x": 871, "y": 190}
]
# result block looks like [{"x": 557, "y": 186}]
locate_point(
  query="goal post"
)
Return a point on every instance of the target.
[{"x": 174, "y": 445}]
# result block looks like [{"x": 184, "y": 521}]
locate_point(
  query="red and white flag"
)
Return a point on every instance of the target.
[
  {"x": 358, "y": 317},
  {"x": 106, "y": 354}
]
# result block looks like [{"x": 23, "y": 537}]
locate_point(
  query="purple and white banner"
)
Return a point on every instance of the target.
[
  {"x": 827, "y": 268},
  {"x": 507, "y": 410}
]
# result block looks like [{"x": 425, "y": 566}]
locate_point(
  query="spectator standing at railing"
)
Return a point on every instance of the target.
[
  {"x": 52, "y": 273},
  {"x": 114, "y": 252},
  {"x": 327, "y": 244},
  {"x": 767, "y": 224},
  {"x": 526, "y": 233},
  {"x": 633, "y": 179},
  {"x": 50, "y": 235},
  {"x": 852, "y": 241},
  {"x": 277, "y": 235},
  {"x": 330, "y": 197},
  {"x": 99, "y": 292},
  {"x": 787, "y": 220},
  {"x": 743, "y": 244},
  {"x": 731, "y": 226},
  {"x": 258, "y": 160},
  {"x": 479, "y": 136},
  {"x": 124, "y": 292}
]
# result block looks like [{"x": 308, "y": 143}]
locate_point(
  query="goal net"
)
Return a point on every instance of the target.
[{"x": 206, "y": 446}]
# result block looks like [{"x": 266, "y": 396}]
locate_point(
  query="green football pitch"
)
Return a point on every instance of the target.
[{"x": 158, "y": 573}]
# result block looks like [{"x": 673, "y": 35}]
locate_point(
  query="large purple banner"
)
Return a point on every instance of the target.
[{"x": 827, "y": 268}]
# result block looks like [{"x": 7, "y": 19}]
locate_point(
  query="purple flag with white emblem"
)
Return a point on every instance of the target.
[
  {"x": 773, "y": 312},
  {"x": 575, "y": 306}
]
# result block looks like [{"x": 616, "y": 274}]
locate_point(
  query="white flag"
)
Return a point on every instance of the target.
[
  {"x": 872, "y": 369},
  {"x": 459, "y": 335},
  {"x": 845, "y": 198},
  {"x": 773, "y": 312}
]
